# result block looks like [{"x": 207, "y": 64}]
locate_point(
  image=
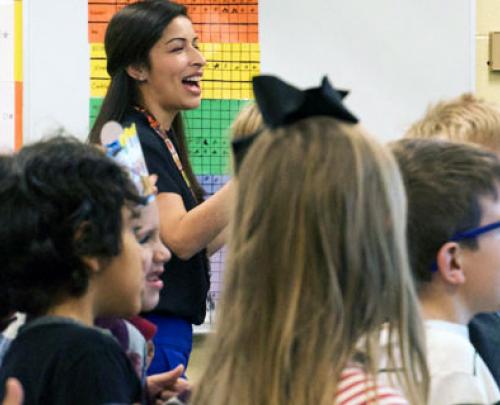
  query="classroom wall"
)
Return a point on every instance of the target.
[
  {"x": 396, "y": 55},
  {"x": 57, "y": 71},
  {"x": 487, "y": 20}
]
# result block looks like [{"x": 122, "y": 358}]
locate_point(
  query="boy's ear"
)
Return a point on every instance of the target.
[
  {"x": 449, "y": 264},
  {"x": 92, "y": 263},
  {"x": 137, "y": 72}
]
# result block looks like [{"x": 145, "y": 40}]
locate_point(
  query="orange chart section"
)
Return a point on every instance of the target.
[
  {"x": 18, "y": 74},
  {"x": 18, "y": 115},
  {"x": 222, "y": 21}
]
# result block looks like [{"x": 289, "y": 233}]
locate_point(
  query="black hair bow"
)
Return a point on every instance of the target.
[{"x": 282, "y": 104}]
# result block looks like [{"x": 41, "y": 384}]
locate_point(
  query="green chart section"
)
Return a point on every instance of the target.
[
  {"x": 207, "y": 129},
  {"x": 94, "y": 108},
  {"x": 208, "y": 135}
]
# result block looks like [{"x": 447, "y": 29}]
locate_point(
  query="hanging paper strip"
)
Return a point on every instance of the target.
[{"x": 11, "y": 74}]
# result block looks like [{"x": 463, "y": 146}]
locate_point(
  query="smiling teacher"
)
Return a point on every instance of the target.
[{"x": 156, "y": 69}]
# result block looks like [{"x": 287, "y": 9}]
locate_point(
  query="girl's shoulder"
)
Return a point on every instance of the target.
[{"x": 356, "y": 387}]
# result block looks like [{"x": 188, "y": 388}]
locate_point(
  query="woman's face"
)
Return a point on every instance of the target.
[
  {"x": 176, "y": 67},
  {"x": 154, "y": 255}
]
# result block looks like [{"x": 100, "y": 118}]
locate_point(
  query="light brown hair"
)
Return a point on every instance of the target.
[
  {"x": 317, "y": 268},
  {"x": 444, "y": 184},
  {"x": 463, "y": 119},
  {"x": 247, "y": 122}
]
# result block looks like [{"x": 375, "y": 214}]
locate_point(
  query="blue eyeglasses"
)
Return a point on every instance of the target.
[
  {"x": 474, "y": 232},
  {"x": 471, "y": 233}
]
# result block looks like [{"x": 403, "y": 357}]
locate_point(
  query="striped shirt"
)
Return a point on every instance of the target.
[{"x": 356, "y": 388}]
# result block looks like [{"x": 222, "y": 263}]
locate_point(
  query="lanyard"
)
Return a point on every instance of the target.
[{"x": 155, "y": 125}]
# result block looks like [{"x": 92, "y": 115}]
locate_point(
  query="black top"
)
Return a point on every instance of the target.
[
  {"x": 186, "y": 282},
  {"x": 60, "y": 362},
  {"x": 484, "y": 334}
]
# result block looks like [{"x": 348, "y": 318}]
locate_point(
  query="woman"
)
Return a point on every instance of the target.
[{"x": 156, "y": 68}]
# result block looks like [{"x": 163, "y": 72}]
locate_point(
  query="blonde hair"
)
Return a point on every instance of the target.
[
  {"x": 317, "y": 268},
  {"x": 464, "y": 119},
  {"x": 247, "y": 122}
]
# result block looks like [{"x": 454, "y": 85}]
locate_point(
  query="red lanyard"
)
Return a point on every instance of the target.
[{"x": 155, "y": 125}]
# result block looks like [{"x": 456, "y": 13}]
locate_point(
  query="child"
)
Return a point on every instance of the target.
[
  {"x": 6, "y": 313},
  {"x": 245, "y": 126},
  {"x": 317, "y": 264},
  {"x": 135, "y": 334},
  {"x": 453, "y": 233},
  {"x": 70, "y": 253},
  {"x": 154, "y": 256},
  {"x": 472, "y": 120},
  {"x": 463, "y": 119},
  {"x": 9, "y": 319}
]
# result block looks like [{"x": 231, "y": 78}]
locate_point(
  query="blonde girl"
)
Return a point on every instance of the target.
[{"x": 317, "y": 269}]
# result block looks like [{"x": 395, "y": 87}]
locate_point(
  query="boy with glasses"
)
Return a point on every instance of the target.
[
  {"x": 454, "y": 247},
  {"x": 469, "y": 119}
]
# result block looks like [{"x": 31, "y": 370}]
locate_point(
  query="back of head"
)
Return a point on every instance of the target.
[
  {"x": 130, "y": 35},
  {"x": 444, "y": 183},
  {"x": 464, "y": 119},
  {"x": 6, "y": 180},
  {"x": 245, "y": 126},
  {"x": 317, "y": 261},
  {"x": 63, "y": 203},
  {"x": 247, "y": 122}
]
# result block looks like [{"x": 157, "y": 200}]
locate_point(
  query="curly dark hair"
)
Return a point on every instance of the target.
[
  {"x": 5, "y": 306},
  {"x": 63, "y": 201}
]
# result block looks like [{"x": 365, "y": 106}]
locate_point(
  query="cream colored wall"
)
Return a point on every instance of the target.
[
  {"x": 487, "y": 20},
  {"x": 198, "y": 359}
]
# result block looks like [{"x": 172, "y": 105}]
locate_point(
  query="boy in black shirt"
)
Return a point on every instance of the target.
[{"x": 69, "y": 254}]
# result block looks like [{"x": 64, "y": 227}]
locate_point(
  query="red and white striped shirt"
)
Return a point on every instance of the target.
[{"x": 356, "y": 388}]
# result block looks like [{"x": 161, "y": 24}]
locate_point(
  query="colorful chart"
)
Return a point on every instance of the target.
[
  {"x": 228, "y": 34},
  {"x": 11, "y": 74}
]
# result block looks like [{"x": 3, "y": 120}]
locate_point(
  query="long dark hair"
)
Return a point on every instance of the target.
[{"x": 130, "y": 35}]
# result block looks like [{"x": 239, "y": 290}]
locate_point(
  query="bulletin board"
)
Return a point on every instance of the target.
[
  {"x": 228, "y": 36},
  {"x": 11, "y": 74}
]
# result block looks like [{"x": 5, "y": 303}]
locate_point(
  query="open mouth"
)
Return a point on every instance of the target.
[
  {"x": 154, "y": 281},
  {"x": 192, "y": 83}
]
